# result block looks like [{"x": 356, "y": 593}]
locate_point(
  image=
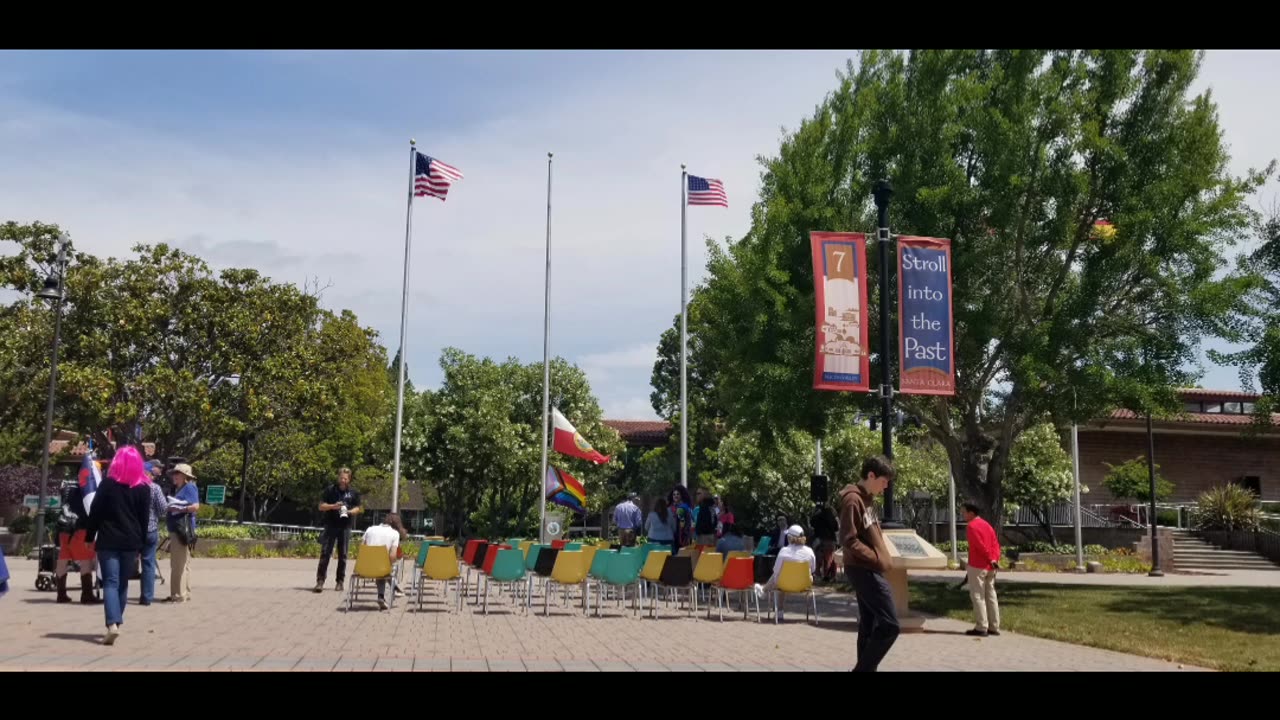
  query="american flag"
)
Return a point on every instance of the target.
[
  {"x": 703, "y": 191},
  {"x": 432, "y": 177}
]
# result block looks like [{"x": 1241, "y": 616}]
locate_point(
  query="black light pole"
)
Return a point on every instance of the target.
[
  {"x": 244, "y": 474},
  {"x": 53, "y": 286},
  {"x": 883, "y": 192},
  {"x": 1151, "y": 474}
]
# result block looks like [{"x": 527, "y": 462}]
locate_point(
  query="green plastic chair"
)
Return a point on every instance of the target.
[
  {"x": 571, "y": 547},
  {"x": 762, "y": 547},
  {"x": 515, "y": 542},
  {"x": 508, "y": 569},
  {"x": 622, "y": 571},
  {"x": 531, "y": 560}
]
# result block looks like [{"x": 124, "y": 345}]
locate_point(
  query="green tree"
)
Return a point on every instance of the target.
[
  {"x": 1131, "y": 480},
  {"x": 1039, "y": 474},
  {"x": 477, "y": 440},
  {"x": 1014, "y": 155},
  {"x": 1260, "y": 326}
]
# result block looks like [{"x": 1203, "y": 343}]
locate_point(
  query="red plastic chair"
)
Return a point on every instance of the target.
[
  {"x": 469, "y": 553},
  {"x": 558, "y": 544},
  {"x": 739, "y": 577}
]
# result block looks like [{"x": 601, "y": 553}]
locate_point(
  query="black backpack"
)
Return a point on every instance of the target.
[{"x": 706, "y": 521}]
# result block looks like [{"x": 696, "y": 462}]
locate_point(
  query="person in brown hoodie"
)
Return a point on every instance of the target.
[{"x": 866, "y": 559}]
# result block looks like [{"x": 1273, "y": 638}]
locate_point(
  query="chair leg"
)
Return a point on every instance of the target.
[{"x": 814, "y": 597}]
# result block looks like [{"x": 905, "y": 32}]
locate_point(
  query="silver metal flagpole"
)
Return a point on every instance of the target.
[
  {"x": 404, "y": 314},
  {"x": 684, "y": 332},
  {"x": 546, "y": 371}
]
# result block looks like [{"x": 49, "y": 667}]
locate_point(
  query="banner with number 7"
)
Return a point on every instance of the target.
[{"x": 841, "y": 360}]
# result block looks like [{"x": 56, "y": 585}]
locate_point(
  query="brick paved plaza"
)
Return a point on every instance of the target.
[{"x": 262, "y": 615}]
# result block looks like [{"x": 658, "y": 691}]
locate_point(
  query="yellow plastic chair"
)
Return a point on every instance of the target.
[
  {"x": 652, "y": 570},
  {"x": 794, "y": 579},
  {"x": 570, "y": 569},
  {"x": 442, "y": 567},
  {"x": 589, "y": 552},
  {"x": 525, "y": 545},
  {"x": 373, "y": 563},
  {"x": 706, "y": 574}
]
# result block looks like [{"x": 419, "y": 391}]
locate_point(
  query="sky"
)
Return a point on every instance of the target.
[{"x": 296, "y": 163}]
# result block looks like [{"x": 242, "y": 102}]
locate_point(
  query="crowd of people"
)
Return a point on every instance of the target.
[{"x": 116, "y": 535}]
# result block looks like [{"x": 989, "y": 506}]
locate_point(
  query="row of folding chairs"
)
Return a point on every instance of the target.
[{"x": 517, "y": 565}]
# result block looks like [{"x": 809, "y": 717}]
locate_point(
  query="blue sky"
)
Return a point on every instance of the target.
[{"x": 296, "y": 163}]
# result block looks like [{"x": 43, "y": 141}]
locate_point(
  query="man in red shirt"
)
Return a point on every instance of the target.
[{"x": 984, "y": 557}]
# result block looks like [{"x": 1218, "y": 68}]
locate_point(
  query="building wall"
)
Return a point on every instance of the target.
[{"x": 1193, "y": 463}]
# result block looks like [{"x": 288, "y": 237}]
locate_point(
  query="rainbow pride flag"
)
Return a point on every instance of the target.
[{"x": 564, "y": 489}]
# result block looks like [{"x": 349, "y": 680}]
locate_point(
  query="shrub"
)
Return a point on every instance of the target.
[
  {"x": 21, "y": 524},
  {"x": 1132, "y": 481},
  {"x": 1227, "y": 507},
  {"x": 216, "y": 512},
  {"x": 223, "y": 550},
  {"x": 224, "y": 532},
  {"x": 944, "y": 547},
  {"x": 1124, "y": 563},
  {"x": 306, "y": 548}
]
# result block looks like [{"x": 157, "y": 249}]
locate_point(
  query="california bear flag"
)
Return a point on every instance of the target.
[{"x": 567, "y": 441}]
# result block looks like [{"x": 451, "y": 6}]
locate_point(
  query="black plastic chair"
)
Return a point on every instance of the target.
[
  {"x": 543, "y": 566},
  {"x": 677, "y": 574},
  {"x": 477, "y": 563}
]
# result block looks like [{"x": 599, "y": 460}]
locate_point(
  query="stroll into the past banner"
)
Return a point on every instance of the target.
[
  {"x": 926, "y": 346},
  {"x": 840, "y": 294}
]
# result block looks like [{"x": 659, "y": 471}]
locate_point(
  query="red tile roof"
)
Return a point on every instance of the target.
[
  {"x": 1203, "y": 394},
  {"x": 647, "y": 433},
  {"x": 1197, "y": 418}
]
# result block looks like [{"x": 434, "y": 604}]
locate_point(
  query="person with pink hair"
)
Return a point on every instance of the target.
[{"x": 118, "y": 527}]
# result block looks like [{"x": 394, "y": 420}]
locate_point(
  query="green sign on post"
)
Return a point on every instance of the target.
[
  {"x": 215, "y": 494},
  {"x": 51, "y": 502}
]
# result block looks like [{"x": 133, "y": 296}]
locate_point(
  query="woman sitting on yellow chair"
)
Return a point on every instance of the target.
[{"x": 796, "y": 550}]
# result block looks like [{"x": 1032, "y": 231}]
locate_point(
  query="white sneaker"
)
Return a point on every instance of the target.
[
  {"x": 759, "y": 591},
  {"x": 382, "y": 604},
  {"x": 113, "y": 632}
]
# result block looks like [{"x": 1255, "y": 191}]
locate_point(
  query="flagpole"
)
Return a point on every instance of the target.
[
  {"x": 684, "y": 331},
  {"x": 404, "y": 314},
  {"x": 546, "y": 370}
]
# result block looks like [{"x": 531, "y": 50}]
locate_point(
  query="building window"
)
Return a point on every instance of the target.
[
  {"x": 1252, "y": 483},
  {"x": 1249, "y": 408},
  {"x": 1193, "y": 407},
  {"x": 1213, "y": 407},
  {"x": 1232, "y": 407}
]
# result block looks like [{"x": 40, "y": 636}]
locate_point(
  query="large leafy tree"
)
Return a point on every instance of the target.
[
  {"x": 1014, "y": 155},
  {"x": 1260, "y": 327},
  {"x": 159, "y": 346}
]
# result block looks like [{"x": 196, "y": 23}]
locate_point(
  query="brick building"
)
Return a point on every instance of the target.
[{"x": 1205, "y": 447}]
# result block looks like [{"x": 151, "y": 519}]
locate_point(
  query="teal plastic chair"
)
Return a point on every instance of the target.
[
  {"x": 762, "y": 547},
  {"x": 571, "y": 547},
  {"x": 622, "y": 571},
  {"x": 515, "y": 542},
  {"x": 508, "y": 569},
  {"x": 531, "y": 560}
]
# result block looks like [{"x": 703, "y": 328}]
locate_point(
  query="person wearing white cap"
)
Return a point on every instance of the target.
[{"x": 795, "y": 550}]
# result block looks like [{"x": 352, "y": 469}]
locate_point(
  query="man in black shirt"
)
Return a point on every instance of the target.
[{"x": 340, "y": 503}]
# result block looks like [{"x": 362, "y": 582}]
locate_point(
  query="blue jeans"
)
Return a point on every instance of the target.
[
  {"x": 149, "y": 566},
  {"x": 116, "y": 565}
]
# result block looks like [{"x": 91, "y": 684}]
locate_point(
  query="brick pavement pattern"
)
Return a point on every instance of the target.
[{"x": 261, "y": 615}]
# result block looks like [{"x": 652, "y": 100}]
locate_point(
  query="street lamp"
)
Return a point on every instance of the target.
[
  {"x": 52, "y": 291},
  {"x": 883, "y": 193},
  {"x": 1151, "y": 474}
]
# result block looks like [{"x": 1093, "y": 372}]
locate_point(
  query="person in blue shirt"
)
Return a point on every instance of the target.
[
  {"x": 731, "y": 541},
  {"x": 181, "y": 512}
]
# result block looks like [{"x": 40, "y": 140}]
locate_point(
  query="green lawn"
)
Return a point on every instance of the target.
[{"x": 1220, "y": 628}]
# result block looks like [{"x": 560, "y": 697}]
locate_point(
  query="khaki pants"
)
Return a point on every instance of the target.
[
  {"x": 982, "y": 592},
  {"x": 179, "y": 569}
]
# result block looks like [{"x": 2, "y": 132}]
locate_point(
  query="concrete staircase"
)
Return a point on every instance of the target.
[{"x": 1192, "y": 553}]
